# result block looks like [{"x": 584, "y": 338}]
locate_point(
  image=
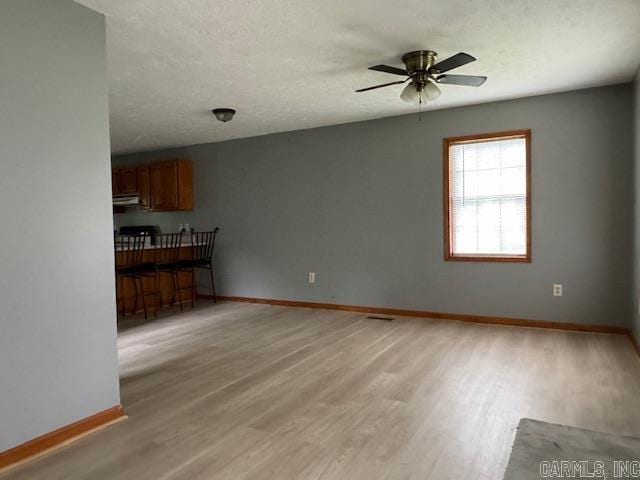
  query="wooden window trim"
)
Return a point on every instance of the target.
[{"x": 448, "y": 243}]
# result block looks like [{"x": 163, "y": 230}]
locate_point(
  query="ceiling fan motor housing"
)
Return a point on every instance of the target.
[
  {"x": 419, "y": 61},
  {"x": 418, "y": 64}
]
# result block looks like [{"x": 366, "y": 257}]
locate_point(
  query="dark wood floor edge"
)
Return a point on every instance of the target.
[
  {"x": 494, "y": 320},
  {"x": 63, "y": 435}
]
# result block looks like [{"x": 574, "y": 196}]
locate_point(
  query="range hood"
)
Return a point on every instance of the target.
[{"x": 124, "y": 200}]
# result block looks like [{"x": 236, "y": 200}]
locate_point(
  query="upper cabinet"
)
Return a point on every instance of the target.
[
  {"x": 129, "y": 180},
  {"x": 115, "y": 180},
  {"x": 171, "y": 185},
  {"x": 124, "y": 181},
  {"x": 161, "y": 187},
  {"x": 144, "y": 191}
]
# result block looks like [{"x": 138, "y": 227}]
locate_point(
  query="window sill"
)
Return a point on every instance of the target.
[{"x": 488, "y": 258}]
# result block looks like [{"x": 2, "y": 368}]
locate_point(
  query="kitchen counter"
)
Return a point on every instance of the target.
[{"x": 186, "y": 243}]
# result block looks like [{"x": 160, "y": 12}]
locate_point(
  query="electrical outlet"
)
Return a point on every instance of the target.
[
  {"x": 557, "y": 290},
  {"x": 312, "y": 277}
]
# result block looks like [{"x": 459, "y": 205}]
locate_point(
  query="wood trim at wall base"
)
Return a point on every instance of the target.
[
  {"x": 60, "y": 437},
  {"x": 514, "y": 322}
]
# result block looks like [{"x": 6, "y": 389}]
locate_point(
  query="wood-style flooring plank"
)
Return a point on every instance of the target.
[{"x": 242, "y": 391}]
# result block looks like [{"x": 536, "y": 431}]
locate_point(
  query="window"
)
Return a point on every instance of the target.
[{"x": 487, "y": 187}]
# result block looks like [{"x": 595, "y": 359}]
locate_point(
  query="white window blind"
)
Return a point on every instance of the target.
[{"x": 488, "y": 197}]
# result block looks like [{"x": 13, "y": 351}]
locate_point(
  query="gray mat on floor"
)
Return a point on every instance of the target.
[{"x": 600, "y": 455}]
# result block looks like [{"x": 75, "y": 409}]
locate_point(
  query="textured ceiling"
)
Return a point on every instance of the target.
[{"x": 293, "y": 64}]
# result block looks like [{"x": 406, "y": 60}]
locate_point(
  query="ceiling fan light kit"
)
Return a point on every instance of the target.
[
  {"x": 423, "y": 73},
  {"x": 414, "y": 93}
]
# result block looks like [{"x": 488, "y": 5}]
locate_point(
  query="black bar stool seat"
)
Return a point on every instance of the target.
[{"x": 142, "y": 269}]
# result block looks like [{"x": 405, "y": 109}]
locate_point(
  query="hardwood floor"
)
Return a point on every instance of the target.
[{"x": 240, "y": 391}]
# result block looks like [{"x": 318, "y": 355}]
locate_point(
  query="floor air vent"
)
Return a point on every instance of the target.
[{"x": 386, "y": 319}]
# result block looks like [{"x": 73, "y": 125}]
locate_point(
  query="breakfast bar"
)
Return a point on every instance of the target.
[{"x": 160, "y": 272}]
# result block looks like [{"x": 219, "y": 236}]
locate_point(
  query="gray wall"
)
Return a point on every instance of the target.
[
  {"x": 636, "y": 213},
  {"x": 58, "y": 359},
  {"x": 361, "y": 205}
]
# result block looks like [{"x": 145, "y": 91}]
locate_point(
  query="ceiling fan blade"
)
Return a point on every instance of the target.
[
  {"x": 458, "y": 60},
  {"x": 388, "y": 69},
  {"x": 466, "y": 80},
  {"x": 380, "y": 86}
]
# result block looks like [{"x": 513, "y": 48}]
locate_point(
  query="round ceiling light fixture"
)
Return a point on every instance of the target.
[{"x": 224, "y": 114}]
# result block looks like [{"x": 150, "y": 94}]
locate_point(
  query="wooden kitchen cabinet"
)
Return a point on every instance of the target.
[
  {"x": 161, "y": 187},
  {"x": 115, "y": 180},
  {"x": 144, "y": 192},
  {"x": 128, "y": 180},
  {"x": 156, "y": 200},
  {"x": 124, "y": 181},
  {"x": 171, "y": 185}
]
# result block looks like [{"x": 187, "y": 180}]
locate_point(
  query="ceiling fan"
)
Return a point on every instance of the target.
[{"x": 423, "y": 74}]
